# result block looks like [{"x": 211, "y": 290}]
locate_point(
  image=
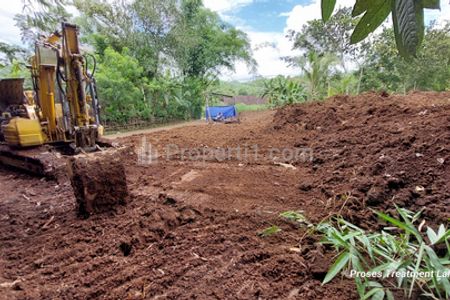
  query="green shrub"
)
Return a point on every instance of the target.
[{"x": 401, "y": 248}]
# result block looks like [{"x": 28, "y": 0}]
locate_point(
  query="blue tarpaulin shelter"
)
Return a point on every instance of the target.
[{"x": 219, "y": 113}]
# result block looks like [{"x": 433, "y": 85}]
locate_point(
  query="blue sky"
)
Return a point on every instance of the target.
[
  {"x": 264, "y": 21},
  {"x": 264, "y": 15},
  {"x": 267, "y": 22}
]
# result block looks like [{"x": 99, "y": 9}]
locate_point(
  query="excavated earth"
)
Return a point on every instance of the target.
[{"x": 199, "y": 196}]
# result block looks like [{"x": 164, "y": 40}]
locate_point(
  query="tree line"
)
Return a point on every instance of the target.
[{"x": 154, "y": 59}]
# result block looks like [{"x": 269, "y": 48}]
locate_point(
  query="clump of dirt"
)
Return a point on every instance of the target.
[
  {"x": 98, "y": 181},
  {"x": 376, "y": 150}
]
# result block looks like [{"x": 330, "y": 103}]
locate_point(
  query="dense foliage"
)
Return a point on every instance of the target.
[
  {"x": 283, "y": 91},
  {"x": 430, "y": 70}
]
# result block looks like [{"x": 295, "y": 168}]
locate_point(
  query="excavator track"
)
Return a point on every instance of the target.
[
  {"x": 42, "y": 161},
  {"x": 48, "y": 160}
]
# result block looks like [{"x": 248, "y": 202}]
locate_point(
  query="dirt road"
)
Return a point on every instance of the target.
[
  {"x": 156, "y": 129},
  {"x": 201, "y": 194}
]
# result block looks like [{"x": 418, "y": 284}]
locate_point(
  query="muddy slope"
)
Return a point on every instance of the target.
[{"x": 377, "y": 150}]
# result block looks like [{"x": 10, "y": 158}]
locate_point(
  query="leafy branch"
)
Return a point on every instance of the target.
[{"x": 407, "y": 17}]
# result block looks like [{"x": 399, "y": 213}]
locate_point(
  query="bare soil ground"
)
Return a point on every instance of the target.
[{"x": 190, "y": 229}]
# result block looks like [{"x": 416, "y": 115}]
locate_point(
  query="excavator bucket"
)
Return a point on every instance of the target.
[{"x": 98, "y": 180}]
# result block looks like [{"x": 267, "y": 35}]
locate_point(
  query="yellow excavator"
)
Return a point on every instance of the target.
[{"x": 59, "y": 117}]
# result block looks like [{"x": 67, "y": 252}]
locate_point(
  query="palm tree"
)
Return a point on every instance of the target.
[{"x": 317, "y": 70}]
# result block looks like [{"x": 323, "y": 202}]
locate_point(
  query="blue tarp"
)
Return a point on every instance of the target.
[{"x": 220, "y": 112}]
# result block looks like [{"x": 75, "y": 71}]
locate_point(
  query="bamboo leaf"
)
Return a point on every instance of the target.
[
  {"x": 416, "y": 268},
  {"x": 340, "y": 239},
  {"x": 374, "y": 284},
  {"x": 337, "y": 267},
  {"x": 373, "y": 292},
  {"x": 389, "y": 295},
  {"x": 444, "y": 237},
  {"x": 401, "y": 225},
  {"x": 431, "y": 235},
  {"x": 327, "y": 9},
  {"x": 360, "y": 287},
  {"x": 379, "y": 295}
]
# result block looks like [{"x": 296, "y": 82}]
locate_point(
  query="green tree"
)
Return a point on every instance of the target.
[
  {"x": 181, "y": 35},
  {"x": 11, "y": 53},
  {"x": 208, "y": 45},
  {"x": 343, "y": 84},
  {"x": 13, "y": 60},
  {"x": 105, "y": 24},
  {"x": 431, "y": 68},
  {"x": 153, "y": 20},
  {"x": 384, "y": 69},
  {"x": 40, "y": 17},
  {"x": 234, "y": 88},
  {"x": 120, "y": 86},
  {"x": 330, "y": 37},
  {"x": 181, "y": 46}
]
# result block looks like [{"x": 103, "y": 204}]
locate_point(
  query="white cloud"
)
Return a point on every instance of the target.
[
  {"x": 267, "y": 56},
  {"x": 301, "y": 14},
  {"x": 440, "y": 16},
  {"x": 9, "y": 33},
  {"x": 223, "y": 6},
  {"x": 445, "y": 12},
  {"x": 269, "y": 59}
]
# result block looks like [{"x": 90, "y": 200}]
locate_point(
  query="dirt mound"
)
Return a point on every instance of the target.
[
  {"x": 340, "y": 110},
  {"x": 376, "y": 150}
]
